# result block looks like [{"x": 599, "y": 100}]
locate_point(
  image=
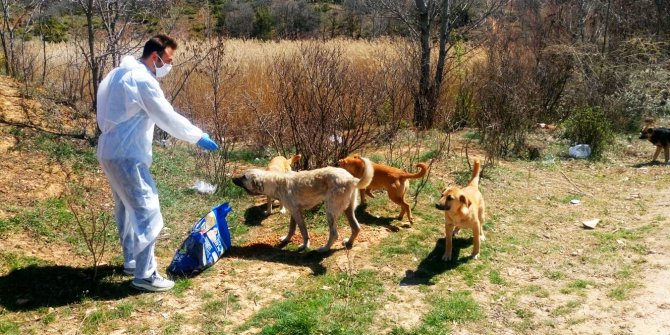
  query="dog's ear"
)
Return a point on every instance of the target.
[{"x": 465, "y": 200}]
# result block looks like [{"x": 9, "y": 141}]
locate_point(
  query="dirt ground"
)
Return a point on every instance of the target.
[{"x": 556, "y": 276}]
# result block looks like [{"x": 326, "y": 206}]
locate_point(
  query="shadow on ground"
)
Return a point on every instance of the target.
[
  {"x": 255, "y": 215},
  {"x": 645, "y": 164},
  {"x": 368, "y": 219},
  {"x": 268, "y": 253},
  {"x": 433, "y": 264},
  {"x": 39, "y": 286}
]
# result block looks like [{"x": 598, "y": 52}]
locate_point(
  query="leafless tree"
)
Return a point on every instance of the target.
[
  {"x": 429, "y": 21},
  {"x": 17, "y": 17}
]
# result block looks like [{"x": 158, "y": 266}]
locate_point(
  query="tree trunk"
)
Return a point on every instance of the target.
[
  {"x": 421, "y": 105},
  {"x": 6, "y": 36},
  {"x": 93, "y": 61}
]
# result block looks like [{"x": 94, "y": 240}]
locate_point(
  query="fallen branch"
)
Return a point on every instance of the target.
[
  {"x": 575, "y": 185},
  {"x": 80, "y": 136}
]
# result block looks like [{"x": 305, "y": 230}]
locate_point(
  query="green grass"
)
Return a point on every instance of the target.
[
  {"x": 181, "y": 285},
  {"x": 458, "y": 307},
  {"x": 332, "y": 304},
  {"x": 48, "y": 218},
  {"x": 622, "y": 291},
  {"x": 9, "y": 328},
  {"x": 82, "y": 157},
  {"x": 13, "y": 261},
  {"x": 608, "y": 241},
  {"x": 577, "y": 286},
  {"x": 496, "y": 278},
  {"x": 247, "y": 156},
  {"x": 566, "y": 308}
]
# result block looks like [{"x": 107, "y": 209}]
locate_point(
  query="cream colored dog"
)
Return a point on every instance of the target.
[
  {"x": 463, "y": 208},
  {"x": 335, "y": 187},
  {"x": 280, "y": 164}
]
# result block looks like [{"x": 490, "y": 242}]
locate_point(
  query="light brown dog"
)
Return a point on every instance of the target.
[
  {"x": 334, "y": 187},
  {"x": 280, "y": 164},
  {"x": 393, "y": 180},
  {"x": 463, "y": 208}
]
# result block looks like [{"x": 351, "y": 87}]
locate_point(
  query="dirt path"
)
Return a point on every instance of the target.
[{"x": 648, "y": 309}]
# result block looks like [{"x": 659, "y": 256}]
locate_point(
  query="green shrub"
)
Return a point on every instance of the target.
[{"x": 589, "y": 125}]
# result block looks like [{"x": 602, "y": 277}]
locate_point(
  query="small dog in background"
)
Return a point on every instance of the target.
[
  {"x": 463, "y": 208},
  {"x": 658, "y": 136},
  {"x": 280, "y": 164},
  {"x": 393, "y": 180}
]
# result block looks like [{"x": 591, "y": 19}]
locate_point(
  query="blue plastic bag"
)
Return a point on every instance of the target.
[{"x": 208, "y": 240}]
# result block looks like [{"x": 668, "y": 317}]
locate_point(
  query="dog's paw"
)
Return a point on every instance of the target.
[
  {"x": 323, "y": 249},
  {"x": 474, "y": 256},
  {"x": 282, "y": 210},
  {"x": 446, "y": 257},
  {"x": 348, "y": 243},
  {"x": 482, "y": 237}
]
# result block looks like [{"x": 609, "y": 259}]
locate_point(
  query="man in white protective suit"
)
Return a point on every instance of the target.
[{"x": 130, "y": 103}]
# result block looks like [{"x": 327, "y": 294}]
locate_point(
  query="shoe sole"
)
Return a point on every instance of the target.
[
  {"x": 148, "y": 288},
  {"x": 128, "y": 272}
]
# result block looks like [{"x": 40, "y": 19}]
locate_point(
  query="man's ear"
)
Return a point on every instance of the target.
[{"x": 465, "y": 200}]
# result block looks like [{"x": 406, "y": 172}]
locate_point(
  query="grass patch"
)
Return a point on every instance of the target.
[
  {"x": 622, "y": 292},
  {"x": 567, "y": 308},
  {"x": 608, "y": 241},
  {"x": 458, "y": 307},
  {"x": 63, "y": 150},
  {"x": 14, "y": 261},
  {"x": 496, "y": 278},
  {"x": 46, "y": 219},
  {"x": 324, "y": 307},
  {"x": 247, "y": 156},
  {"x": 555, "y": 275},
  {"x": 181, "y": 285}
]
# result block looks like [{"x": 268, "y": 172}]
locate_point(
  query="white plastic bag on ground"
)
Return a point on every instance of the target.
[
  {"x": 580, "y": 151},
  {"x": 204, "y": 187}
]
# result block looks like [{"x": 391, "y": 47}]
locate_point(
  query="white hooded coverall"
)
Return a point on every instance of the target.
[{"x": 130, "y": 103}]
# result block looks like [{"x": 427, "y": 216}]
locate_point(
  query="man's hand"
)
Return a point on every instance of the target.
[{"x": 206, "y": 143}]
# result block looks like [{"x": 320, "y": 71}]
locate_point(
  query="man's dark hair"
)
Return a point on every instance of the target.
[{"x": 158, "y": 43}]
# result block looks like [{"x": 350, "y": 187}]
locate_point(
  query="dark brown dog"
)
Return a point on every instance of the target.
[{"x": 660, "y": 137}]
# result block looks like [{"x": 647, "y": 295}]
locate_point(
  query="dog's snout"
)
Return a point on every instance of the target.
[
  {"x": 441, "y": 207},
  {"x": 237, "y": 181}
]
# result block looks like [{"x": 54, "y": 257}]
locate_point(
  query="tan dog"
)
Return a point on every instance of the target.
[
  {"x": 463, "y": 208},
  {"x": 280, "y": 164},
  {"x": 297, "y": 191},
  {"x": 393, "y": 180}
]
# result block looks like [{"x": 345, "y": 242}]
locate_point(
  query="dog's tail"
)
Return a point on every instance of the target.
[
  {"x": 474, "y": 181},
  {"x": 368, "y": 173},
  {"x": 423, "y": 169}
]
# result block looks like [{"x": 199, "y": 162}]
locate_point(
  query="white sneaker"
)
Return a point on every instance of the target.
[{"x": 155, "y": 283}]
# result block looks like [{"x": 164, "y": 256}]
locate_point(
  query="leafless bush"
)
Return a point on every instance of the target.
[
  {"x": 326, "y": 106},
  {"x": 516, "y": 86},
  {"x": 93, "y": 223},
  {"x": 204, "y": 91}
]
